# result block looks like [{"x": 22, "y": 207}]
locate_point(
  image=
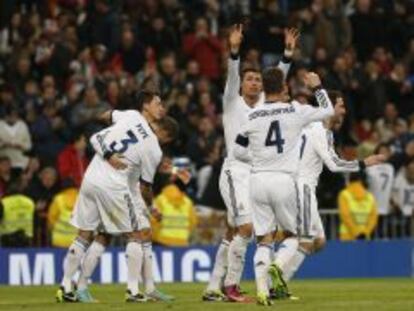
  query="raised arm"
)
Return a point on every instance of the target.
[
  {"x": 325, "y": 109},
  {"x": 291, "y": 39},
  {"x": 232, "y": 87}
]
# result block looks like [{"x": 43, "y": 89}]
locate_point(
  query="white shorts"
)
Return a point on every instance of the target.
[
  {"x": 275, "y": 203},
  {"x": 109, "y": 210},
  {"x": 234, "y": 189},
  {"x": 311, "y": 222}
]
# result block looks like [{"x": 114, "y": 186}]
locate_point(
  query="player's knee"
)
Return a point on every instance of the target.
[
  {"x": 319, "y": 244},
  {"x": 103, "y": 239},
  {"x": 229, "y": 234},
  {"x": 306, "y": 247},
  {"x": 86, "y": 235},
  {"x": 246, "y": 231},
  {"x": 265, "y": 239}
]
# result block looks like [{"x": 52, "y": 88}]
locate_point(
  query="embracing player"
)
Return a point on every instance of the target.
[
  {"x": 271, "y": 139},
  {"x": 127, "y": 153},
  {"x": 316, "y": 149},
  {"x": 241, "y": 94}
]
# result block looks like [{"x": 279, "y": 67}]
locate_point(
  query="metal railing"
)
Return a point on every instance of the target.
[{"x": 392, "y": 226}]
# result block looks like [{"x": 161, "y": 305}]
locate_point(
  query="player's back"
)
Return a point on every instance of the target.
[
  {"x": 274, "y": 137},
  {"x": 380, "y": 182},
  {"x": 132, "y": 137}
]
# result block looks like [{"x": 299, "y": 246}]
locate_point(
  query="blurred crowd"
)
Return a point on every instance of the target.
[{"x": 63, "y": 62}]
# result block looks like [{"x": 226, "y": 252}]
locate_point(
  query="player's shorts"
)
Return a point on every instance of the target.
[
  {"x": 234, "y": 189},
  {"x": 275, "y": 203},
  {"x": 311, "y": 222},
  {"x": 109, "y": 210}
]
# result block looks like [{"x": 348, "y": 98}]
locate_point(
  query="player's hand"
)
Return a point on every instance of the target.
[
  {"x": 312, "y": 80},
  {"x": 156, "y": 214},
  {"x": 374, "y": 160},
  {"x": 116, "y": 161},
  {"x": 291, "y": 40},
  {"x": 236, "y": 38}
]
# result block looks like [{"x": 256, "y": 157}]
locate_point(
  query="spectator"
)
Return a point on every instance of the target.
[
  {"x": 42, "y": 189},
  {"x": 403, "y": 197},
  {"x": 86, "y": 114},
  {"x": 72, "y": 161},
  {"x": 130, "y": 56},
  {"x": 178, "y": 217},
  {"x": 205, "y": 48},
  {"x": 59, "y": 214},
  {"x": 357, "y": 211},
  {"x": 385, "y": 126},
  {"x": 15, "y": 139},
  {"x": 16, "y": 218}
]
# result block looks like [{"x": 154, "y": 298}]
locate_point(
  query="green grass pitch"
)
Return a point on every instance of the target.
[{"x": 332, "y": 295}]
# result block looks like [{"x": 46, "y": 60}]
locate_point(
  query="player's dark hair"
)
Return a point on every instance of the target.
[
  {"x": 169, "y": 125},
  {"x": 334, "y": 95},
  {"x": 248, "y": 69},
  {"x": 273, "y": 80},
  {"x": 143, "y": 97}
]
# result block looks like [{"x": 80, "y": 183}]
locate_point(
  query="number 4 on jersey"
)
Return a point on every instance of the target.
[{"x": 274, "y": 137}]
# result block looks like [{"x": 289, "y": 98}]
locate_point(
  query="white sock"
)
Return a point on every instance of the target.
[
  {"x": 147, "y": 275},
  {"x": 261, "y": 267},
  {"x": 285, "y": 252},
  {"x": 220, "y": 267},
  {"x": 89, "y": 263},
  {"x": 295, "y": 262},
  {"x": 133, "y": 255},
  {"x": 72, "y": 262},
  {"x": 236, "y": 258}
]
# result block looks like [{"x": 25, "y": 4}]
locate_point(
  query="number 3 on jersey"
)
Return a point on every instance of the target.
[{"x": 274, "y": 137}]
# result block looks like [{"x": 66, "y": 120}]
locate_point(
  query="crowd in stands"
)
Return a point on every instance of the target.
[{"x": 64, "y": 62}]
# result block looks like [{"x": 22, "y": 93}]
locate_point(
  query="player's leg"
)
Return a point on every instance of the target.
[
  {"x": 86, "y": 219},
  {"x": 213, "y": 291},
  {"x": 71, "y": 264},
  {"x": 89, "y": 264},
  {"x": 238, "y": 187},
  {"x": 312, "y": 231},
  {"x": 286, "y": 203},
  {"x": 264, "y": 222}
]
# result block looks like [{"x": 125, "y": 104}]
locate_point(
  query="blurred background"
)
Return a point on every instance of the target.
[{"x": 63, "y": 62}]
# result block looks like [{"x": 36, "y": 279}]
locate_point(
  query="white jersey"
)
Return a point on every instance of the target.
[
  {"x": 403, "y": 194},
  {"x": 273, "y": 133},
  {"x": 131, "y": 136},
  {"x": 380, "y": 183},
  {"x": 316, "y": 149},
  {"x": 235, "y": 109}
]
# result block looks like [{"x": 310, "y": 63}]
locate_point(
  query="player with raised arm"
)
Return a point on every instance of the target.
[
  {"x": 127, "y": 152},
  {"x": 241, "y": 94},
  {"x": 271, "y": 139},
  {"x": 316, "y": 149}
]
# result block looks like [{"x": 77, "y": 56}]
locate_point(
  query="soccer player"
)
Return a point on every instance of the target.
[
  {"x": 380, "y": 183},
  {"x": 316, "y": 149},
  {"x": 271, "y": 139},
  {"x": 403, "y": 196},
  {"x": 127, "y": 152},
  {"x": 241, "y": 94}
]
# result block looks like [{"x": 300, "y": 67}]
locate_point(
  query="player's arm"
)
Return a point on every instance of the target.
[
  {"x": 325, "y": 109},
  {"x": 113, "y": 116},
  {"x": 291, "y": 39},
  {"x": 323, "y": 144},
  {"x": 241, "y": 148},
  {"x": 232, "y": 87},
  {"x": 98, "y": 144}
]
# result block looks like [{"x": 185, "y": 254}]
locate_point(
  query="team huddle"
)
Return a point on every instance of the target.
[{"x": 276, "y": 149}]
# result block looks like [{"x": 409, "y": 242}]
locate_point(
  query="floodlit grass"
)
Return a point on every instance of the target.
[{"x": 332, "y": 295}]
